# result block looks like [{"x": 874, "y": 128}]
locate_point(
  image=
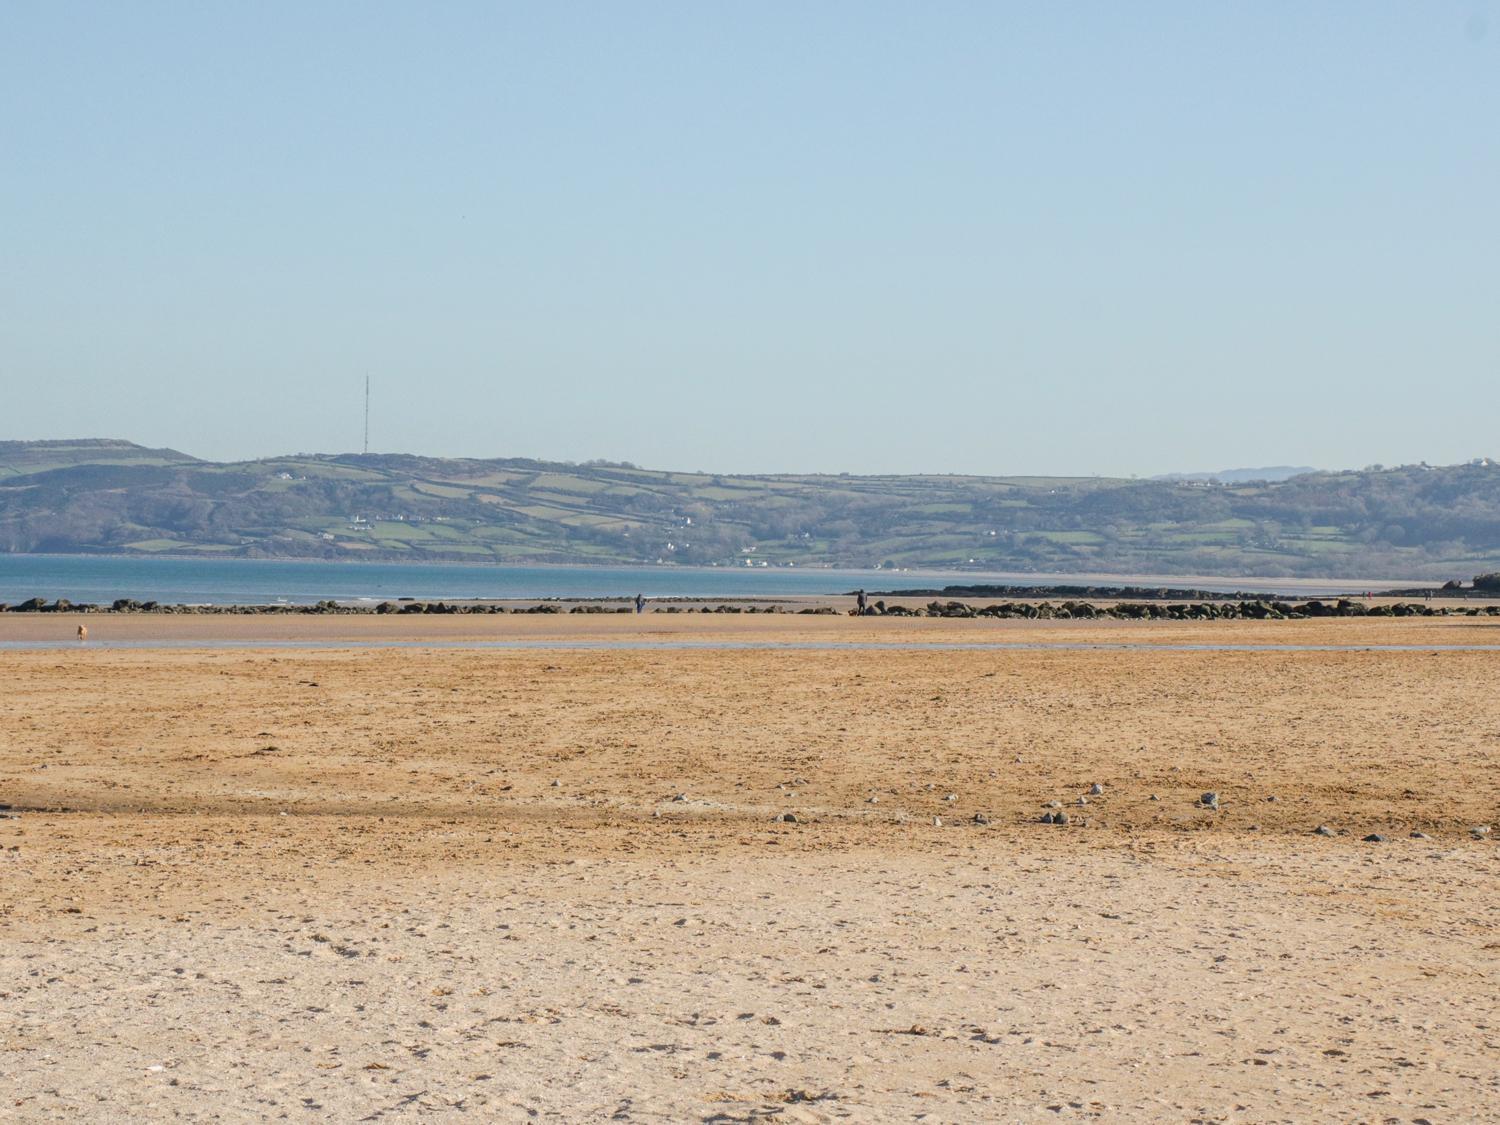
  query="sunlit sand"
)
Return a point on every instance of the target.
[{"x": 345, "y": 881}]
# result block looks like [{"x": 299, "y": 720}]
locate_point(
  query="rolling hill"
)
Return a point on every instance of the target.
[{"x": 97, "y": 495}]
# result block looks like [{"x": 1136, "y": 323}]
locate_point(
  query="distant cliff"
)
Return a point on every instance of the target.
[{"x": 113, "y": 496}]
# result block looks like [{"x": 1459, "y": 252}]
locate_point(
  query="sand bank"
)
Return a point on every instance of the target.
[{"x": 337, "y": 883}]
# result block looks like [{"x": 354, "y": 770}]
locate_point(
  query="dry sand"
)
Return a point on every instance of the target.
[{"x": 361, "y": 883}]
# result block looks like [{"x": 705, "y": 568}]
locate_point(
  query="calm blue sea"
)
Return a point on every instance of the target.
[{"x": 94, "y": 578}]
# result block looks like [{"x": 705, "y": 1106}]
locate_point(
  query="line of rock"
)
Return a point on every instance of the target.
[{"x": 1259, "y": 610}]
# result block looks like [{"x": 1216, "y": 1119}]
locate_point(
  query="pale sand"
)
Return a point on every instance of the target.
[{"x": 433, "y": 927}]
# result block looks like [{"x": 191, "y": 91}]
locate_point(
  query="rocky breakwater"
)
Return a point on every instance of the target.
[
  {"x": 1179, "y": 611},
  {"x": 1257, "y": 610},
  {"x": 403, "y": 607},
  {"x": 130, "y": 605}
]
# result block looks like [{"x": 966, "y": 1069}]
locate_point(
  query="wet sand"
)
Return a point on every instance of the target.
[
  {"x": 336, "y": 883},
  {"x": 789, "y": 628}
]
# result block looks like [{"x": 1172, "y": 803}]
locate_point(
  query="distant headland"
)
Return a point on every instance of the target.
[{"x": 96, "y": 496}]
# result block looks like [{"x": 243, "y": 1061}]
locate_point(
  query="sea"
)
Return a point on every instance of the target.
[{"x": 189, "y": 581}]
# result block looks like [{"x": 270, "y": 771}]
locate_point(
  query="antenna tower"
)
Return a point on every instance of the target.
[{"x": 367, "y": 414}]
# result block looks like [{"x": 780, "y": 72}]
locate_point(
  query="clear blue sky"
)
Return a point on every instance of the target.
[{"x": 990, "y": 237}]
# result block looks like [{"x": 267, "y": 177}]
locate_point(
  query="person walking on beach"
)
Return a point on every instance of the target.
[
  {"x": 640, "y": 603},
  {"x": 862, "y": 602}
]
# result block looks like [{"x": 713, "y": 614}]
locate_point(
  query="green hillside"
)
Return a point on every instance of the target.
[
  {"x": 96, "y": 496},
  {"x": 24, "y": 458}
]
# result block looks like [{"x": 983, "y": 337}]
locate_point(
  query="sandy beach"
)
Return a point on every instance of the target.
[{"x": 332, "y": 881}]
